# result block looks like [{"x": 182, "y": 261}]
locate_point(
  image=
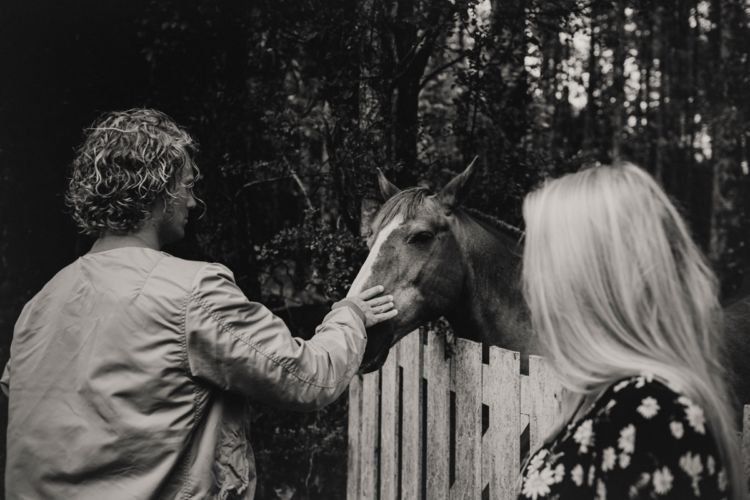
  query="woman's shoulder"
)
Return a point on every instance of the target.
[
  {"x": 661, "y": 415},
  {"x": 646, "y": 399},
  {"x": 643, "y": 436},
  {"x": 649, "y": 434}
]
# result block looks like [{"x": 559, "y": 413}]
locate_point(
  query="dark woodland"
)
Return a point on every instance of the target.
[{"x": 295, "y": 103}]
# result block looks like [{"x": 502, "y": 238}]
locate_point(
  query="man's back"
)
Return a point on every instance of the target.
[{"x": 100, "y": 388}]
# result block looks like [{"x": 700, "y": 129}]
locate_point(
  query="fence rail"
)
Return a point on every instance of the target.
[{"x": 431, "y": 426}]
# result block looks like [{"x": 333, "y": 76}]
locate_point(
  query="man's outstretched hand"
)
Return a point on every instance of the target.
[{"x": 375, "y": 306}]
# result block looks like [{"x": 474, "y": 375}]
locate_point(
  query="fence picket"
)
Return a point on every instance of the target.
[
  {"x": 354, "y": 432},
  {"x": 467, "y": 384},
  {"x": 545, "y": 400},
  {"x": 504, "y": 399},
  {"x": 389, "y": 423},
  {"x": 410, "y": 359},
  {"x": 437, "y": 372},
  {"x": 746, "y": 441},
  {"x": 369, "y": 468}
]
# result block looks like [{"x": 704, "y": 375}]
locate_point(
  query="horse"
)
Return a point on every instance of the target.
[
  {"x": 737, "y": 349},
  {"x": 440, "y": 258}
]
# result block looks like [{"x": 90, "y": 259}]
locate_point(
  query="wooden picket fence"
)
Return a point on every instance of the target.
[{"x": 427, "y": 426}]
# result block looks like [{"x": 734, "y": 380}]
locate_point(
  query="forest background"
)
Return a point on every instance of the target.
[{"x": 296, "y": 102}]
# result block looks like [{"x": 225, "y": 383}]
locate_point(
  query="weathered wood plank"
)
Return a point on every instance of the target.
[
  {"x": 389, "y": 423},
  {"x": 504, "y": 399},
  {"x": 545, "y": 394},
  {"x": 437, "y": 373},
  {"x": 410, "y": 359},
  {"x": 369, "y": 468},
  {"x": 525, "y": 402},
  {"x": 746, "y": 441},
  {"x": 354, "y": 449},
  {"x": 467, "y": 380}
]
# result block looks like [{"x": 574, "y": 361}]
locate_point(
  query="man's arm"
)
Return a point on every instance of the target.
[{"x": 240, "y": 346}]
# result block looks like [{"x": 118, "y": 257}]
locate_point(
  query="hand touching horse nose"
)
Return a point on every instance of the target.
[{"x": 375, "y": 306}]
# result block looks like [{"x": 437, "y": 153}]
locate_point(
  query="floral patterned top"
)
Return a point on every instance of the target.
[{"x": 640, "y": 439}]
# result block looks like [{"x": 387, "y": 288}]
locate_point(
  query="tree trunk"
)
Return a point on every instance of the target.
[
  {"x": 660, "y": 53},
  {"x": 591, "y": 111},
  {"x": 372, "y": 97},
  {"x": 413, "y": 48},
  {"x": 618, "y": 82},
  {"x": 508, "y": 72},
  {"x": 728, "y": 226},
  {"x": 551, "y": 50},
  {"x": 406, "y": 85}
]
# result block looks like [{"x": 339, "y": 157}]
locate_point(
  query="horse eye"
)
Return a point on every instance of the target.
[{"x": 421, "y": 237}]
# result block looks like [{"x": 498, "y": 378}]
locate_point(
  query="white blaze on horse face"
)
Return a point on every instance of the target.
[{"x": 366, "y": 271}]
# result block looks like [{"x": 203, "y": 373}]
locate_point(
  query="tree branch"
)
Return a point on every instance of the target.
[{"x": 432, "y": 74}]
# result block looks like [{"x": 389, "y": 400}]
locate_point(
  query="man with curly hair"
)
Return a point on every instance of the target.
[{"x": 131, "y": 369}]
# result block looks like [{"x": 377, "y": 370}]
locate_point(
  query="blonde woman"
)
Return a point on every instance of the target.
[{"x": 626, "y": 310}]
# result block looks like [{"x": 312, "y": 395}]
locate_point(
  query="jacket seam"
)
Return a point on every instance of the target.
[
  {"x": 148, "y": 276},
  {"x": 275, "y": 360},
  {"x": 196, "y": 412}
]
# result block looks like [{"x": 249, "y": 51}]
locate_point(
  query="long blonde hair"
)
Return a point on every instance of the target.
[{"x": 617, "y": 287}]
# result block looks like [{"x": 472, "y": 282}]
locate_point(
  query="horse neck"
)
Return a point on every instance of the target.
[{"x": 492, "y": 309}]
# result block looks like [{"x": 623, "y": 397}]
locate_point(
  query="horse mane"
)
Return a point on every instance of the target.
[{"x": 494, "y": 222}]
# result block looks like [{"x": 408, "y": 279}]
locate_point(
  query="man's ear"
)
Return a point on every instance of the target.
[
  {"x": 454, "y": 193},
  {"x": 387, "y": 188}
]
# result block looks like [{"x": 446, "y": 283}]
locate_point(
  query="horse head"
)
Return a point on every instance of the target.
[{"x": 422, "y": 250}]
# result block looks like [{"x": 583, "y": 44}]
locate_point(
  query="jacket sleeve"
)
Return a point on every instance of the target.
[
  {"x": 240, "y": 346},
  {"x": 5, "y": 380}
]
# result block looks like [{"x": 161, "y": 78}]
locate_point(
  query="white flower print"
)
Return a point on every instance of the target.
[
  {"x": 609, "y": 457},
  {"x": 694, "y": 414},
  {"x": 677, "y": 429},
  {"x": 662, "y": 481},
  {"x": 620, "y": 385},
  {"x": 584, "y": 436},
  {"x": 711, "y": 465},
  {"x": 537, "y": 460},
  {"x": 722, "y": 479},
  {"x": 601, "y": 490},
  {"x": 642, "y": 481},
  {"x": 645, "y": 377},
  {"x": 624, "y": 460},
  {"x": 592, "y": 473},
  {"x": 577, "y": 475},
  {"x": 559, "y": 473},
  {"x": 648, "y": 408},
  {"x": 626, "y": 441},
  {"x": 692, "y": 465},
  {"x": 537, "y": 483}
]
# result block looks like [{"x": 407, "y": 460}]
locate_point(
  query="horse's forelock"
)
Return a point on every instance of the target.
[{"x": 406, "y": 203}]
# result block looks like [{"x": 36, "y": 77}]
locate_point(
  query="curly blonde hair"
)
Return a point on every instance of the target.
[{"x": 128, "y": 161}]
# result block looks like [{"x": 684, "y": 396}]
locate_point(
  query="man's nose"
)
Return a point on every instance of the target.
[{"x": 191, "y": 203}]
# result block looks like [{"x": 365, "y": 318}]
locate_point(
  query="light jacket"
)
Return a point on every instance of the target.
[{"x": 130, "y": 372}]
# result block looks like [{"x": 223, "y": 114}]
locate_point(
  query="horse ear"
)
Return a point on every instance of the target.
[
  {"x": 387, "y": 188},
  {"x": 453, "y": 194}
]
